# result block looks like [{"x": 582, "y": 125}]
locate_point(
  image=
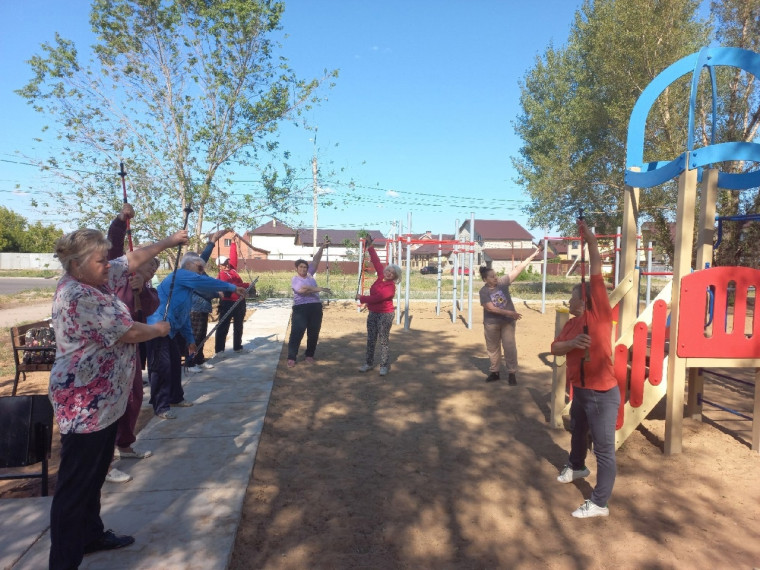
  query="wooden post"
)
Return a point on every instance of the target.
[
  {"x": 708, "y": 191},
  {"x": 687, "y": 189},
  {"x": 559, "y": 379},
  {"x": 627, "y": 311}
]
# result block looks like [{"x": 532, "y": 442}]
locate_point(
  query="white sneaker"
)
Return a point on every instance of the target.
[
  {"x": 365, "y": 367},
  {"x": 194, "y": 370},
  {"x": 383, "y": 370},
  {"x": 568, "y": 475},
  {"x": 589, "y": 509},
  {"x": 206, "y": 365},
  {"x": 116, "y": 476}
]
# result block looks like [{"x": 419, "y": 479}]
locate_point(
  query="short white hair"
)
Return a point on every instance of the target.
[
  {"x": 396, "y": 271},
  {"x": 191, "y": 258}
]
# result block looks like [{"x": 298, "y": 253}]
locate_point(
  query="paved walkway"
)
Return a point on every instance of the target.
[{"x": 184, "y": 504}]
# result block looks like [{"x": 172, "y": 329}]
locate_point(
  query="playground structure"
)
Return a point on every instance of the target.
[
  {"x": 713, "y": 319},
  {"x": 395, "y": 249}
]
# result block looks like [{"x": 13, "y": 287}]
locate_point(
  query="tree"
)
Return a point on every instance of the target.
[
  {"x": 182, "y": 91},
  {"x": 576, "y": 102},
  {"x": 12, "y": 228},
  {"x": 16, "y": 235},
  {"x": 738, "y": 25}
]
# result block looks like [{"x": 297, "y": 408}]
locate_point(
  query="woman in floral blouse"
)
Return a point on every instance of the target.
[{"x": 90, "y": 383}]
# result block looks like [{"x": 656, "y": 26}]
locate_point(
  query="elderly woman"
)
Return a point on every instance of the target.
[
  {"x": 307, "y": 308},
  {"x": 90, "y": 384},
  {"x": 380, "y": 306},
  {"x": 499, "y": 318}
]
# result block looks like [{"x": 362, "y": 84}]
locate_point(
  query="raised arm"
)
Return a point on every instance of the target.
[
  {"x": 521, "y": 266},
  {"x": 594, "y": 258}
]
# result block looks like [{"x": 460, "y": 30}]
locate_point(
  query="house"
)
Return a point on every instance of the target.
[
  {"x": 344, "y": 243},
  {"x": 427, "y": 253},
  {"x": 500, "y": 244}
]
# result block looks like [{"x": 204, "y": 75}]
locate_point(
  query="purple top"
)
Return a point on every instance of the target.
[{"x": 297, "y": 282}]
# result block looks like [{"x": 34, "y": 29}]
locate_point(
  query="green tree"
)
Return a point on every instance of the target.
[
  {"x": 576, "y": 102},
  {"x": 184, "y": 92},
  {"x": 12, "y": 228},
  {"x": 39, "y": 238},
  {"x": 16, "y": 235},
  {"x": 738, "y": 25}
]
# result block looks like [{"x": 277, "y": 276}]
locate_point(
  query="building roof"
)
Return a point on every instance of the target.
[
  {"x": 305, "y": 236},
  {"x": 498, "y": 230},
  {"x": 559, "y": 245},
  {"x": 273, "y": 228},
  {"x": 509, "y": 254},
  {"x": 432, "y": 249}
]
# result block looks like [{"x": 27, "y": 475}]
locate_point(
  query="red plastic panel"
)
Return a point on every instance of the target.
[
  {"x": 693, "y": 307},
  {"x": 657, "y": 348},
  {"x": 621, "y": 373},
  {"x": 638, "y": 364}
]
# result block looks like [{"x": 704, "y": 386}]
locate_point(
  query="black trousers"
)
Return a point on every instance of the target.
[
  {"x": 237, "y": 317},
  {"x": 165, "y": 372},
  {"x": 307, "y": 318},
  {"x": 75, "y": 511}
]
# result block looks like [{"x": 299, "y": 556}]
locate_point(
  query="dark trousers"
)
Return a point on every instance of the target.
[
  {"x": 237, "y": 317},
  {"x": 165, "y": 373},
  {"x": 596, "y": 412},
  {"x": 199, "y": 322},
  {"x": 75, "y": 511},
  {"x": 307, "y": 318}
]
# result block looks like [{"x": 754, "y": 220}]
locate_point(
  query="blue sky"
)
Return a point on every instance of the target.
[{"x": 421, "y": 114}]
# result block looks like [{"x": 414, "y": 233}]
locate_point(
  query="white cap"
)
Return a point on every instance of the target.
[{"x": 221, "y": 260}]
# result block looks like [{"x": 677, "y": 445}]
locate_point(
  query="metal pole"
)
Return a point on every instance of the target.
[
  {"x": 438, "y": 277},
  {"x": 472, "y": 254},
  {"x": 456, "y": 276},
  {"x": 408, "y": 270},
  {"x": 543, "y": 280}
]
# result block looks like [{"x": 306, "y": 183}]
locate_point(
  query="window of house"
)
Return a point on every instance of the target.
[{"x": 227, "y": 242}]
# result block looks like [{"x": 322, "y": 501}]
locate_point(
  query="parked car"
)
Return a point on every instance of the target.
[
  {"x": 429, "y": 270},
  {"x": 465, "y": 270}
]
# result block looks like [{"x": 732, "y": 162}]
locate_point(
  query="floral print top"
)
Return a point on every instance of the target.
[{"x": 92, "y": 374}]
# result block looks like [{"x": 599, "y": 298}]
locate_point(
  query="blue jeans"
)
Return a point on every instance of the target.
[{"x": 596, "y": 412}]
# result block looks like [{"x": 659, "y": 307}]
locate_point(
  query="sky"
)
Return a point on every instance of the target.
[{"x": 420, "y": 118}]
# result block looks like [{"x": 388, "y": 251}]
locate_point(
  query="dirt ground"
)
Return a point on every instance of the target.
[{"x": 430, "y": 467}]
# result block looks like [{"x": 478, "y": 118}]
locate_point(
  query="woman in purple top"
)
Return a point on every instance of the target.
[{"x": 307, "y": 308}]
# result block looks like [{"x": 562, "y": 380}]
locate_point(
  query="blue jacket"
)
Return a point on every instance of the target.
[{"x": 179, "y": 311}]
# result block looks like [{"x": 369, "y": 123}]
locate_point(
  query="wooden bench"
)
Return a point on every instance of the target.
[{"x": 20, "y": 350}]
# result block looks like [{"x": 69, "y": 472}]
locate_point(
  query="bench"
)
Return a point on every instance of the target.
[{"x": 31, "y": 357}]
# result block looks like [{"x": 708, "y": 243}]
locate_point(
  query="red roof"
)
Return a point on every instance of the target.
[
  {"x": 432, "y": 249},
  {"x": 273, "y": 228},
  {"x": 509, "y": 254},
  {"x": 498, "y": 230},
  {"x": 337, "y": 237}
]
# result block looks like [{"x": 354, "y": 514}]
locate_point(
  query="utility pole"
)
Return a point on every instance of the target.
[{"x": 316, "y": 193}]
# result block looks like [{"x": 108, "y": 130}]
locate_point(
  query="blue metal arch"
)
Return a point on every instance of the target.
[{"x": 655, "y": 173}]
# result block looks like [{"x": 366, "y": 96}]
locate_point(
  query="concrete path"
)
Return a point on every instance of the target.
[{"x": 184, "y": 504}]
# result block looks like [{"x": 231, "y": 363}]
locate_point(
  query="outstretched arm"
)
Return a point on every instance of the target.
[
  {"x": 594, "y": 258},
  {"x": 523, "y": 264}
]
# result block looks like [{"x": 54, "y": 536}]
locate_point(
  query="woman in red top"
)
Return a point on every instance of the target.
[
  {"x": 380, "y": 305},
  {"x": 586, "y": 342},
  {"x": 230, "y": 275}
]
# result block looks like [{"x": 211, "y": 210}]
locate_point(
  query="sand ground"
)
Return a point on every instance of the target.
[{"x": 430, "y": 467}]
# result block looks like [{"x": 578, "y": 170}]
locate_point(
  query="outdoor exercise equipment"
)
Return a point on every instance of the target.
[
  {"x": 690, "y": 347},
  {"x": 639, "y": 361}
]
